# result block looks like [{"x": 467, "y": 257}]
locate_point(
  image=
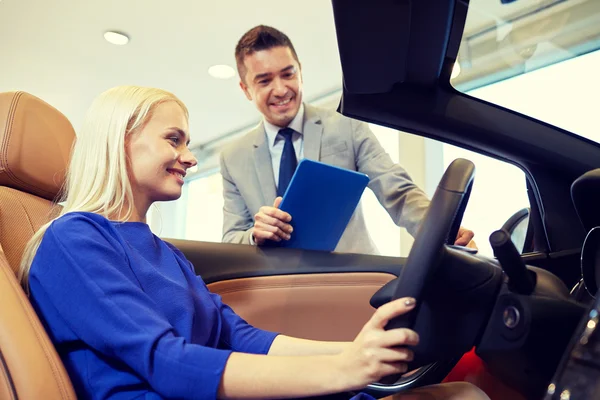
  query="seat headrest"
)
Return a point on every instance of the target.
[{"x": 35, "y": 145}]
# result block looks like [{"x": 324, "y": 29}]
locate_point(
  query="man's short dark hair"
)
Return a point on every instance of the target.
[{"x": 259, "y": 38}]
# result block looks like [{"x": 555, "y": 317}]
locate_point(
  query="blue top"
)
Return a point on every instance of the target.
[{"x": 128, "y": 315}]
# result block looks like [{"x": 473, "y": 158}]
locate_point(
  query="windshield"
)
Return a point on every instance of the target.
[{"x": 538, "y": 57}]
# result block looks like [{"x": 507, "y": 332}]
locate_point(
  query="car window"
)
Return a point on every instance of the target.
[
  {"x": 499, "y": 191},
  {"x": 537, "y": 57}
]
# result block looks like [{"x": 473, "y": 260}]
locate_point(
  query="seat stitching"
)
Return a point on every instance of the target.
[
  {"x": 6, "y": 145},
  {"x": 298, "y": 286},
  {"x": 6, "y": 374}
]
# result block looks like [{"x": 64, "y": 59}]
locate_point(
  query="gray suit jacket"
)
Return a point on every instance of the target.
[{"x": 329, "y": 137}]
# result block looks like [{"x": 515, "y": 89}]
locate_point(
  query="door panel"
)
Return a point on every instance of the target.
[
  {"x": 307, "y": 294},
  {"x": 326, "y": 306}
]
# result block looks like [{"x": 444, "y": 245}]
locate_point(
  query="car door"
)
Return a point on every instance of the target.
[{"x": 308, "y": 294}]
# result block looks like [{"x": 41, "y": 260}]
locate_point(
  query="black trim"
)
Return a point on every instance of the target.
[
  {"x": 564, "y": 264},
  {"x": 515, "y": 219},
  {"x": 216, "y": 262},
  {"x": 590, "y": 257},
  {"x": 10, "y": 382}
]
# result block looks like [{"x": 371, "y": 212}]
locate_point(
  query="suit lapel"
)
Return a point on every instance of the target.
[
  {"x": 312, "y": 131},
  {"x": 263, "y": 165}
]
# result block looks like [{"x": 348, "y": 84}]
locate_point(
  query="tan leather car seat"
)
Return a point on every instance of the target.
[{"x": 35, "y": 143}]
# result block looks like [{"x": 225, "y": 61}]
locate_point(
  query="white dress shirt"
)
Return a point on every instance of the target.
[{"x": 276, "y": 141}]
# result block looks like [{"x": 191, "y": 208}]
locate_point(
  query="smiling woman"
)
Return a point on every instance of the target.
[
  {"x": 159, "y": 157},
  {"x": 125, "y": 163},
  {"x": 128, "y": 314}
]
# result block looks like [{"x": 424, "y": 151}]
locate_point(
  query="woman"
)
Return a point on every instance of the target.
[{"x": 125, "y": 310}]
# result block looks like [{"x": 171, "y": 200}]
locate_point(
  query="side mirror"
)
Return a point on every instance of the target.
[{"x": 519, "y": 229}]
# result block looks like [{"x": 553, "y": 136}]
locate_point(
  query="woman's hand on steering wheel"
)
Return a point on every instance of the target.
[{"x": 375, "y": 352}]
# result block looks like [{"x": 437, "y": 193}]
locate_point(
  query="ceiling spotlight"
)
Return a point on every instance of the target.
[
  {"x": 455, "y": 70},
  {"x": 117, "y": 38},
  {"x": 221, "y": 71}
]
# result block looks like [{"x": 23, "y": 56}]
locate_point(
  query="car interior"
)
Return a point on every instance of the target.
[{"x": 517, "y": 313}]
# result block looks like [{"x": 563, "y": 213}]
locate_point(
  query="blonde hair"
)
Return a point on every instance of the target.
[{"x": 97, "y": 179}]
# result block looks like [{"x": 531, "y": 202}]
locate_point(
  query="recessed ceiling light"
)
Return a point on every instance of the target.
[
  {"x": 116, "y": 38},
  {"x": 221, "y": 71},
  {"x": 455, "y": 70}
]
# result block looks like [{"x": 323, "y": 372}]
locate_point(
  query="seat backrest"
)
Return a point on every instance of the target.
[{"x": 35, "y": 143}]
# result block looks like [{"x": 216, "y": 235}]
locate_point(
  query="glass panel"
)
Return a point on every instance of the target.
[
  {"x": 536, "y": 57},
  {"x": 204, "y": 219},
  {"x": 499, "y": 190}
]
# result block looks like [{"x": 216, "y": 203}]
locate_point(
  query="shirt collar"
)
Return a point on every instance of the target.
[{"x": 297, "y": 125}]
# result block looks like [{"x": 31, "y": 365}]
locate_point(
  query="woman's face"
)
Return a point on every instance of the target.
[{"x": 159, "y": 156}]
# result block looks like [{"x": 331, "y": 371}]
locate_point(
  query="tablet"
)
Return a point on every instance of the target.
[{"x": 321, "y": 199}]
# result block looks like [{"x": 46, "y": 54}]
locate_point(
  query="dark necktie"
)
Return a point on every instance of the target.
[{"x": 288, "y": 161}]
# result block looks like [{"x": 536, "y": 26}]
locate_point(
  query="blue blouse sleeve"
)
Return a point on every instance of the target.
[
  {"x": 236, "y": 333},
  {"x": 84, "y": 273}
]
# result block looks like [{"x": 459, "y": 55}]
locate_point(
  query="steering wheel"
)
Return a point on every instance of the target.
[
  {"x": 437, "y": 231},
  {"x": 439, "y": 227}
]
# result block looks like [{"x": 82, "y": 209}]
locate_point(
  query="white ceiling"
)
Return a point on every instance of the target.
[{"x": 56, "y": 50}]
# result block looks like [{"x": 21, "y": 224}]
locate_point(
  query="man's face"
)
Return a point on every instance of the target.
[{"x": 273, "y": 82}]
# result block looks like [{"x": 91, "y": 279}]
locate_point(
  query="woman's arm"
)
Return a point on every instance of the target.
[
  {"x": 374, "y": 353},
  {"x": 251, "y": 376},
  {"x": 291, "y": 346}
]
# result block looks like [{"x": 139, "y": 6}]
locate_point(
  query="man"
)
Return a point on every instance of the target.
[{"x": 255, "y": 175}]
